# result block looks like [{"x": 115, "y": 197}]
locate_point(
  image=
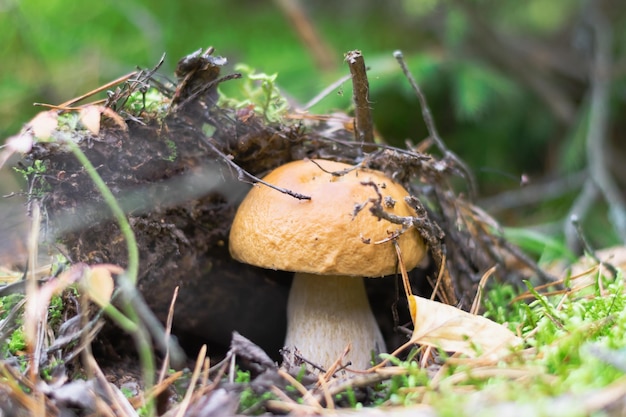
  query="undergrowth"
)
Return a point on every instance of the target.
[
  {"x": 573, "y": 333},
  {"x": 574, "y": 344}
]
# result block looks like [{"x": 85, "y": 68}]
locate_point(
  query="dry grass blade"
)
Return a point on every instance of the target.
[
  {"x": 158, "y": 389},
  {"x": 307, "y": 396},
  {"x": 14, "y": 381},
  {"x": 184, "y": 405},
  {"x": 113, "y": 402},
  {"x": 168, "y": 332},
  {"x": 481, "y": 288}
]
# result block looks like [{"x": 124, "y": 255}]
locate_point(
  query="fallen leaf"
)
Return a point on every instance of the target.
[
  {"x": 40, "y": 127},
  {"x": 43, "y": 124},
  {"x": 90, "y": 118},
  {"x": 99, "y": 285},
  {"x": 111, "y": 114},
  {"x": 21, "y": 143},
  {"x": 454, "y": 330}
]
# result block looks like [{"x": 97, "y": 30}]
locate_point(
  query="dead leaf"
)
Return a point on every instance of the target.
[
  {"x": 111, "y": 114},
  {"x": 21, "y": 143},
  {"x": 454, "y": 330},
  {"x": 98, "y": 283},
  {"x": 40, "y": 127},
  {"x": 43, "y": 124},
  {"x": 90, "y": 118}
]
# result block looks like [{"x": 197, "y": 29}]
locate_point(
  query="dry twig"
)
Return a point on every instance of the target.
[
  {"x": 321, "y": 51},
  {"x": 432, "y": 129},
  {"x": 360, "y": 86},
  {"x": 598, "y": 130}
]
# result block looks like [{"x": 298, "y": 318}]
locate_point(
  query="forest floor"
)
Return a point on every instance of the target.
[{"x": 121, "y": 297}]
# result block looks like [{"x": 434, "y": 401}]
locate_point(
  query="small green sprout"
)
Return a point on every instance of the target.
[
  {"x": 38, "y": 168},
  {"x": 17, "y": 341},
  {"x": 7, "y": 303},
  {"x": 258, "y": 90},
  {"x": 34, "y": 173},
  {"x": 55, "y": 310},
  {"x": 151, "y": 101},
  {"x": 69, "y": 121},
  {"x": 242, "y": 377},
  {"x": 127, "y": 392},
  {"x": 173, "y": 151},
  {"x": 249, "y": 400}
]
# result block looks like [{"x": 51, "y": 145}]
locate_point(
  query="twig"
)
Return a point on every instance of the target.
[
  {"x": 307, "y": 396},
  {"x": 507, "y": 52},
  {"x": 587, "y": 248},
  {"x": 75, "y": 100},
  {"x": 599, "y": 122},
  {"x": 525, "y": 259},
  {"x": 321, "y": 51},
  {"x": 360, "y": 94},
  {"x": 337, "y": 173},
  {"x": 579, "y": 210},
  {"x": 432, "y": 129},
  {"x": 575, "y": 222},
  {"x": 206, "y": 87},
  {"x": 325, "y": 92},
  {"x": 339, "y": 385},
  {"x": 533, "y": 193},
  {"x": 244, "y": 175},
  {"x": 428, "y": 230}
]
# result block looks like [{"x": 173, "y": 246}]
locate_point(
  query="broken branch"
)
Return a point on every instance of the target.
[
  {"x": 432, "y": 129},
  {"x": 360, "y": 94}
]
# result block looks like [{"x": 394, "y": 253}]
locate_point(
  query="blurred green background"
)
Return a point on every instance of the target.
[{"x": 507, "y": 80}]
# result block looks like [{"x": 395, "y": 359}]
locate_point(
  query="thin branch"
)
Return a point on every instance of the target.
[
  {"x": 432, "y": 129},
  {"x": 325, "y": 92},
  {"x": 588, "y": 249},
  {"x": 337, "y": 173},
  {"x": 534, "y": 193},
  {"x": 206, "y": 87},
  {"x": 244, "y": 175},
  {"x": 505, "y": 51},
  {"x": 428, "y": 230},
  {"x": 321, "y": 51},
  {"x": 597, "y": 135},
  {"x": 579, "y": 210},
  {"x": 360, "y": 94}
]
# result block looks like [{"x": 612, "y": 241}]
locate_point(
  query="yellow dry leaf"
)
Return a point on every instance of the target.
[
  {"x": 454, "y": 330},
  {"x": 43, "y": 124},
  {"x": 99, "y": 284},
  {"x": 90, "y": 118}
]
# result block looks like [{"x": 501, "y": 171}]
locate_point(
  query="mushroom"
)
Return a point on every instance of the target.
[{"x": 331, "y": 246}]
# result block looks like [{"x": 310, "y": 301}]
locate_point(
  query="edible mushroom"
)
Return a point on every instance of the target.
[{"x": 330, "y": 246}]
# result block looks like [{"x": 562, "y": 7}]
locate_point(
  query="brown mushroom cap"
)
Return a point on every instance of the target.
[{"x": 322, "y": 236}]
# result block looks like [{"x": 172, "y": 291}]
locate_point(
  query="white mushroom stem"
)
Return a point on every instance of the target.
[{"x": 327, "y": 312}]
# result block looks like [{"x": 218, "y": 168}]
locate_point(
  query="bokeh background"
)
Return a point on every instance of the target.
[{"x": 509, "y": 82}]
